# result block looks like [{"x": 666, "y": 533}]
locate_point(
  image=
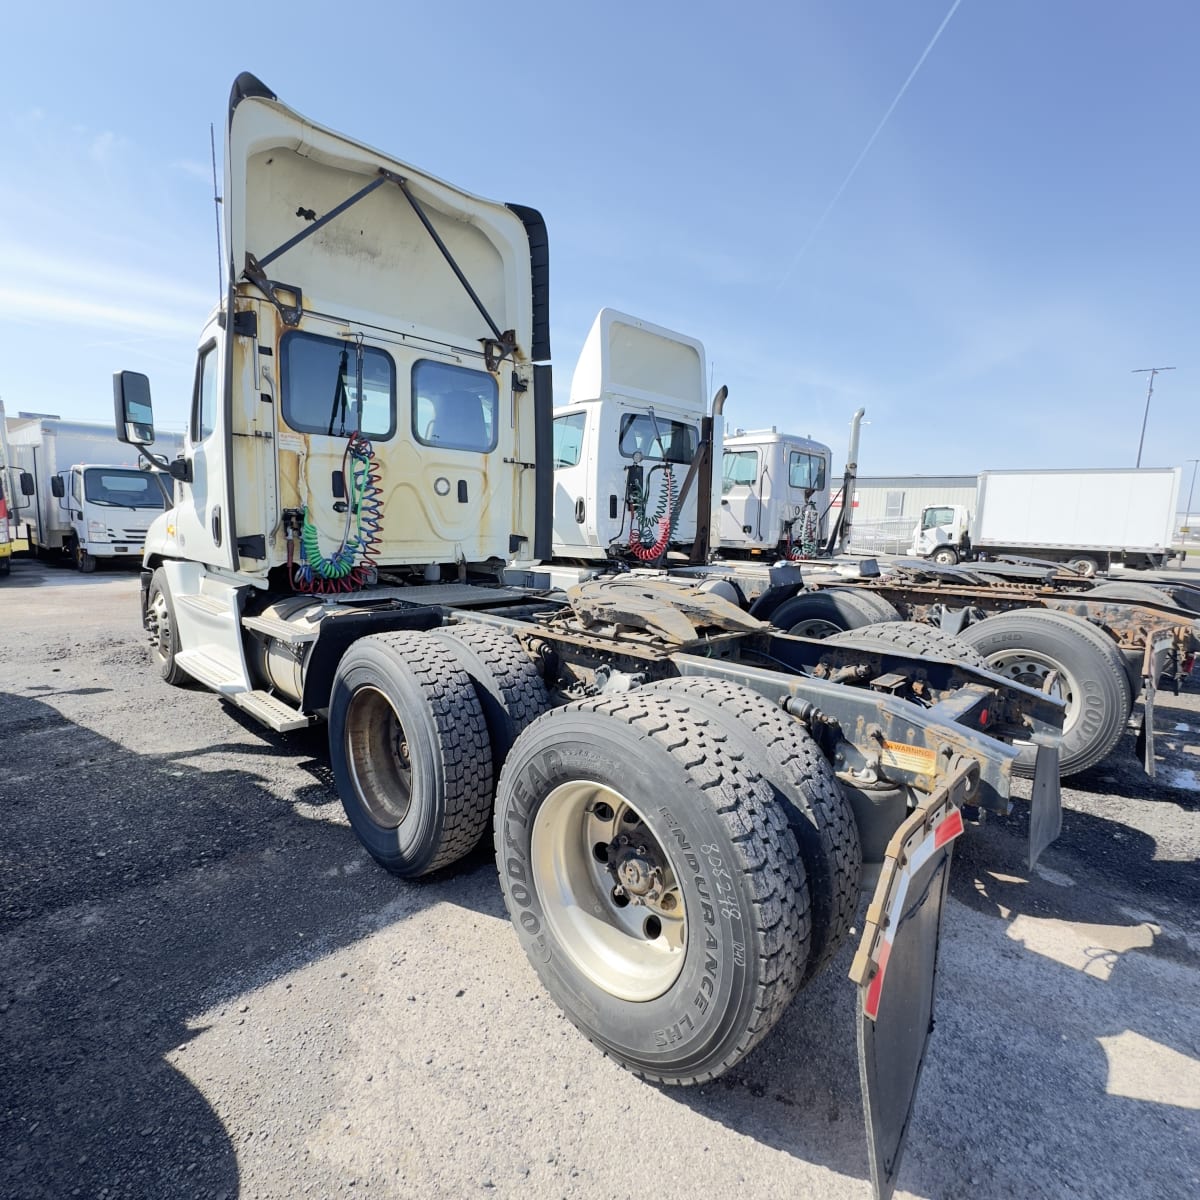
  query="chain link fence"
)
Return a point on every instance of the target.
[{"x": 891, "y": 535}]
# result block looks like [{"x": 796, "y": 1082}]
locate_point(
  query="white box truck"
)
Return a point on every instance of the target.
[
  {"x": 82, "y": 492},
  {"x": 1088, "y": 519}
]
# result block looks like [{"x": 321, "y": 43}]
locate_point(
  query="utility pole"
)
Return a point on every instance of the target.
[
  {"x": 1149, "y": 392},
  {"x": 1187, "y": 516}
]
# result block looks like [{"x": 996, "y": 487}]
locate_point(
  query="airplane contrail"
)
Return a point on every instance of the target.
[{"x": 866, "y": 149}]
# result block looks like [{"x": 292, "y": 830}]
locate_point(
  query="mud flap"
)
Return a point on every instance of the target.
[
  {"x": 896, "y": 969},
  {"x": 1145, "y": 737},
  {"x": 1045, "y": 802}
]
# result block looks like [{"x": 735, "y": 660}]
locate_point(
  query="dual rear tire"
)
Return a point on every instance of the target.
[
  {"x": 419, "y": 725},
  {"x": 655, "y": 849}
]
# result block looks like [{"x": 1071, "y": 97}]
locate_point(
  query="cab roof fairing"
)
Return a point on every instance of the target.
[
  {"x": 373, "y": 262},
  {"x": 627, "y": 358}
]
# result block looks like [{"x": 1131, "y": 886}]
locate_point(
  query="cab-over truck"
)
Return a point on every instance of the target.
[{"x": 362, "y": 501}]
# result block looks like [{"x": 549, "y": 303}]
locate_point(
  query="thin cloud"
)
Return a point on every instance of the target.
[
  {"x": 26, "y": 304},
  {"x": 104, "y": 147},
  {"x": 109, "y": 280}
]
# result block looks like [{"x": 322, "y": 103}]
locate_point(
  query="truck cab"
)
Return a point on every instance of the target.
[
  {"x": 774, "y": 494},
  {"x": 942, "y": 534},
  {"x": 625, "y": 442},
  {"x": 108, "y": 510}
]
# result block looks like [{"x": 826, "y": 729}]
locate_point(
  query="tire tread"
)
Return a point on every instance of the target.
[{"x": 771, "y": 865}]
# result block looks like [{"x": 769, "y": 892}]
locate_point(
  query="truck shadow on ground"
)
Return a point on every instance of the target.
[{"x": 137, "y": 891}]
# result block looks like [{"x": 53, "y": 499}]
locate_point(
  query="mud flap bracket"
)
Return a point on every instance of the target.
[{"x": 895, "y": 968}]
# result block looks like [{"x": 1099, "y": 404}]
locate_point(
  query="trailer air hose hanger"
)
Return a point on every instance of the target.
[
  {"x": 641, "y": 527},
  {"x": 352, "y": 565},
  {"x": 808, "y": 544}
]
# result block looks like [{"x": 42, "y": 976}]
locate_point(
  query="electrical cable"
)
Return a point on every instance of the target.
[{"x": 352, "y": 565}]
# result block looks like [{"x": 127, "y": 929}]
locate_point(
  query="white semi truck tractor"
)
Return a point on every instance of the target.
[{"x": 686, "y": 803}]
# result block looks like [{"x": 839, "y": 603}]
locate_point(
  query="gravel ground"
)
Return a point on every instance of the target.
[{"x": 209, "y": 990}]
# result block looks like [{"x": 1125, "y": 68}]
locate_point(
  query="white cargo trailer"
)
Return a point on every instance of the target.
[
  {"x": 1089, "y": 519},
  {"x": 81, "y": 491}
]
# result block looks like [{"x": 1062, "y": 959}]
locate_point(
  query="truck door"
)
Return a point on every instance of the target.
[
  {"x": 740, "y": 502},
  {"x": 571, "y": 482},
  {"x": 202, "y": 516}
]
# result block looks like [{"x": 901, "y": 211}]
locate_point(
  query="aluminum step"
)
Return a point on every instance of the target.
[
  {"x": 271, "y": 711},
  {"x": 211, "y": 671},
  {"x": 282, "y": 631}
]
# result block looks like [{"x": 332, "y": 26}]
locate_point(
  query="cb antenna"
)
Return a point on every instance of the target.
[{"x": 212, "y": 141}]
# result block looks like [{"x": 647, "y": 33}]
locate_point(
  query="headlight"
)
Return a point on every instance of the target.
[{"x": 97, "y": 529}]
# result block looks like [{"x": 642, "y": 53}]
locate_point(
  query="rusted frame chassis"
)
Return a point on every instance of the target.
[
  {"x": 1133, "y": 627},
  {"x": 862, "y": 729}
]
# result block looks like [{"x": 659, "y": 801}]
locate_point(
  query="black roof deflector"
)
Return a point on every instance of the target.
[{"x": 244, "y": 87}]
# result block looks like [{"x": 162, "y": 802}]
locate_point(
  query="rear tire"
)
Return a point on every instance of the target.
[
  {"x": 506, "y": 680},
  {"x": 1179, "y": 595},
  {"x": 1027, "y": 643},
  {"x": 408, "y": 745},
  {"x": 1086, "y": 566},
  {"x": 817, "y": 811},
  {"x": 676, "y": 950},
  {"x": 820, "y": 613},
  {"x": 919, "y": 639}
]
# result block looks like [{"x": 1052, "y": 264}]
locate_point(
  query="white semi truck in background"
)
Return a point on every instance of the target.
[
  {"x": 775, "y": 494},
  {"x": 629, "y": 476},
  {"x": 1100, "y": 651},
  {"x": 82, "y": 493},
  {"x": 1088, "y": 519},
  {"x": 626, "y": 441}
]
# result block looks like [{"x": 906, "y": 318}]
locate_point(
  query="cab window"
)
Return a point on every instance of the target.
[
  {"x": 453, "y": 407},
  {"x": 337, "y": 387},
  {"x": 656, "y": 437},
  {"x": 568, "y": 439},
  {"x": 937, "y": 516},
  {"x": 806, "y": 471},
  {"x": 204, "y": 401},
  {"x": 739, "y": 468}
]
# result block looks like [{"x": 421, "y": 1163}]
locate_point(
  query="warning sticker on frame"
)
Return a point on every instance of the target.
[{"x": 918, "y": 759}]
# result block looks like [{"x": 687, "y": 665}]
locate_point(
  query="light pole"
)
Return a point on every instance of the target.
[
  {"x": 1149, "y": 392},
  {"x": 1187, "y": 516}
]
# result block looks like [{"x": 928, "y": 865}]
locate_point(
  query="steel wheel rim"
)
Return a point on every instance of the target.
[
  {"x": 817, "y": 628},
  {"x": 160, "y": 627},
  {"x": 633, "y": 950},
  {"x": 1033, "y": 670},
  {"x": 378, "y": 757}
]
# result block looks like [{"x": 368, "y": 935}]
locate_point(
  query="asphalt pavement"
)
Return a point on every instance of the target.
[{"x": 207, "y": 989}]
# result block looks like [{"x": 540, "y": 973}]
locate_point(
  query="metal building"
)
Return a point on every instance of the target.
[{"x": 886, "y": 507}]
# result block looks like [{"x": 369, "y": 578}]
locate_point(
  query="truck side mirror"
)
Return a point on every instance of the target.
[
  {"x": 27, "y": 488},
  {"x": 132, "y": 408},
  {"x": 58, "y": 489}
]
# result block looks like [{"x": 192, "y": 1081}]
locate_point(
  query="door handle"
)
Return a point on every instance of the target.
[
  {"x": 216, "y": 524},
  {"x": 579, "y": 511}
]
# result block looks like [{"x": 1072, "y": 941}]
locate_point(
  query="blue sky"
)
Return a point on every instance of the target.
[{"x": 1020, "y": 235}]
